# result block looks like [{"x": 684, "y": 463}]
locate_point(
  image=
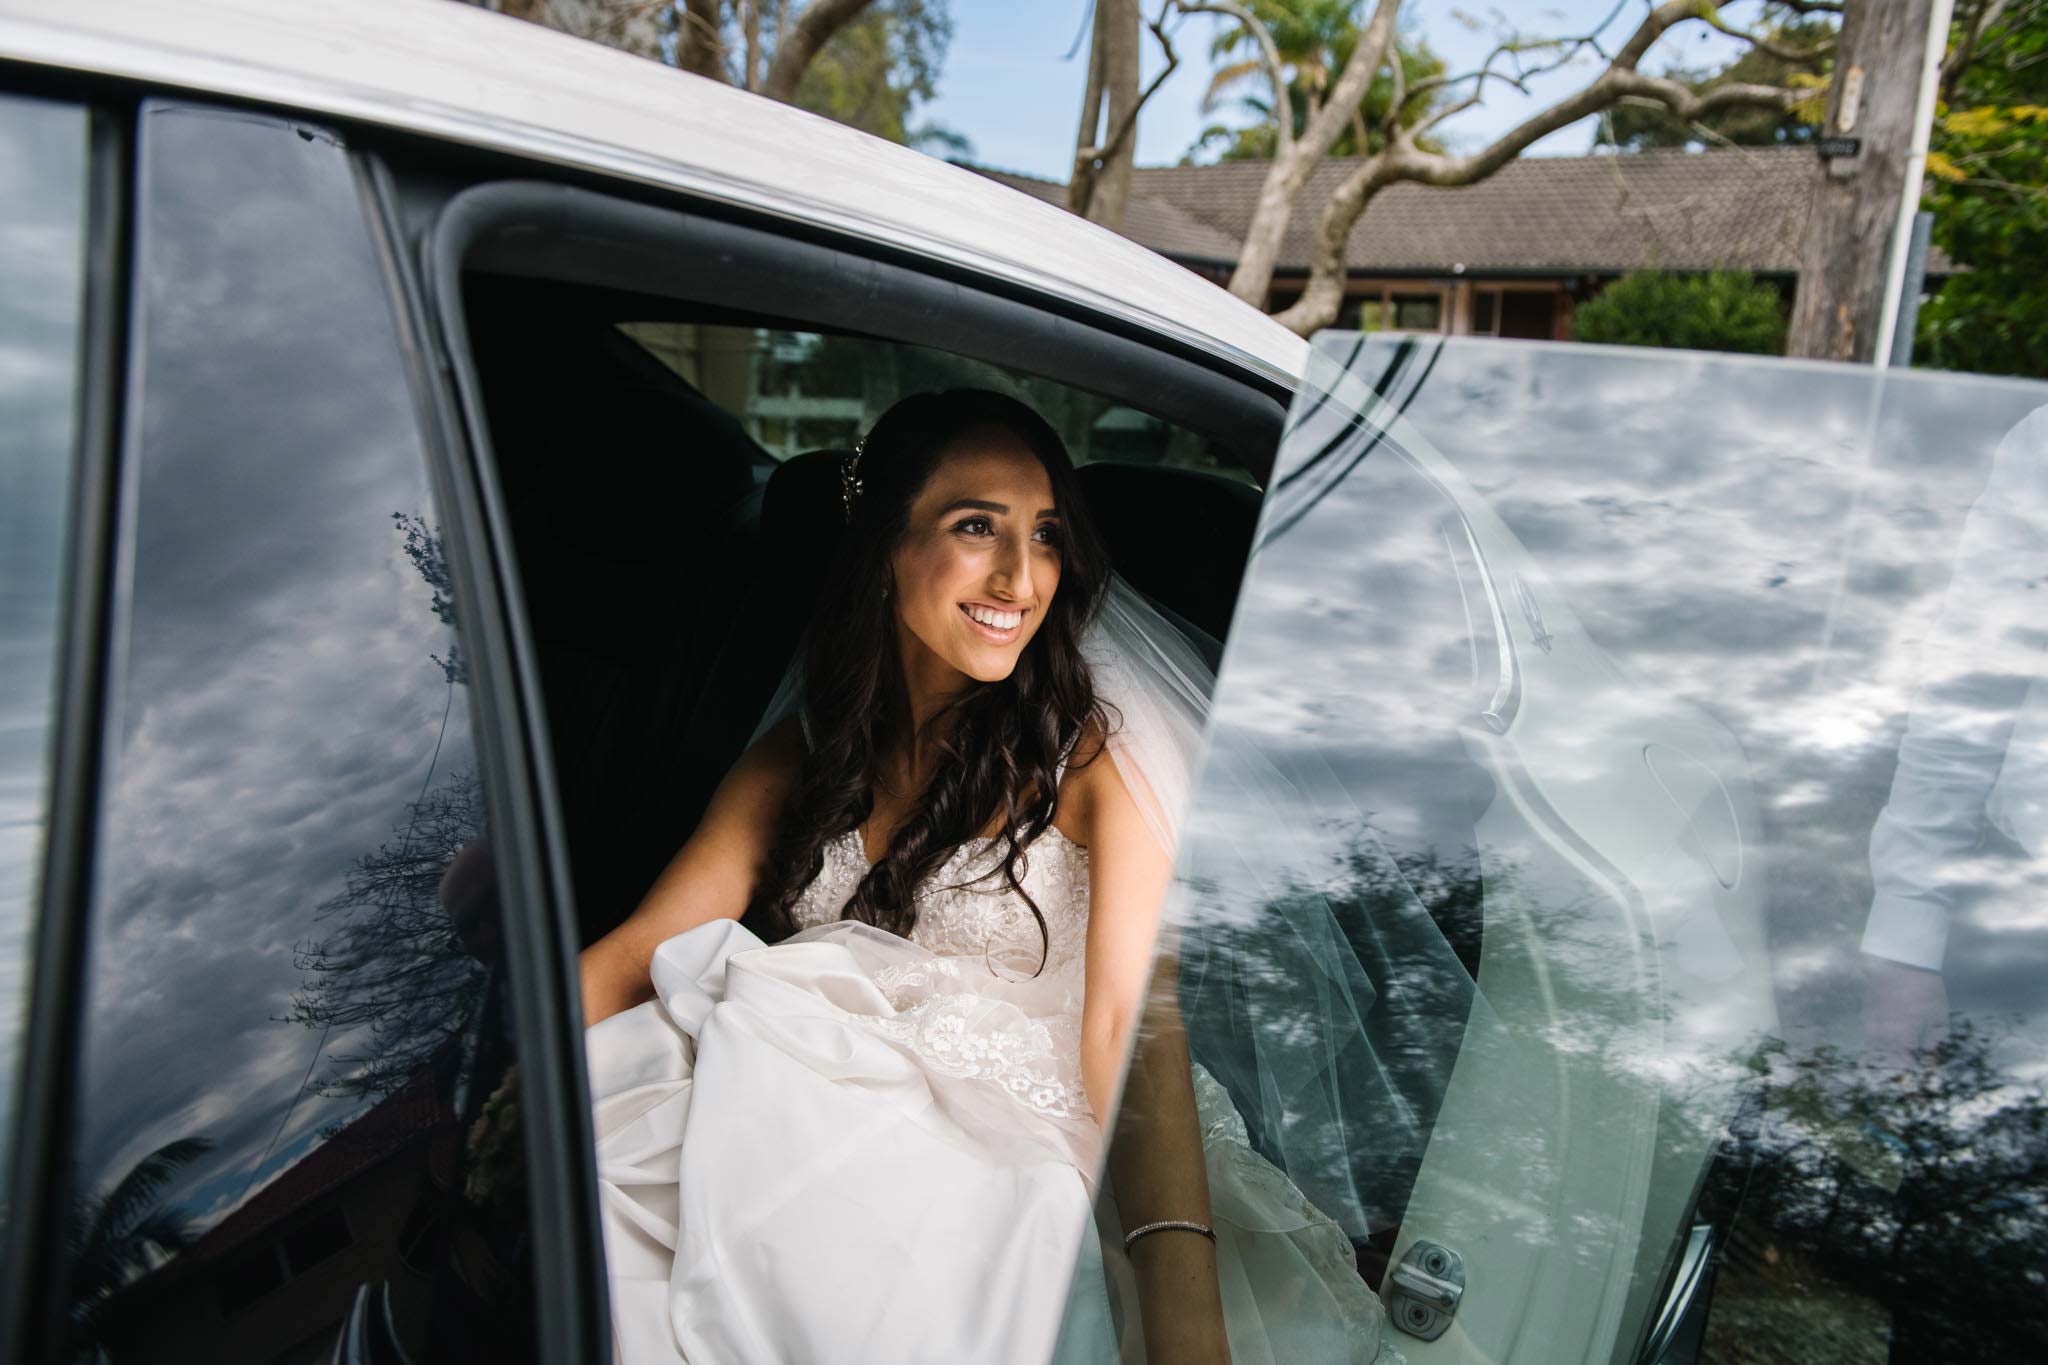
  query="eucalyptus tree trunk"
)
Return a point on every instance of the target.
[
  {"x": 1845, "y": 256},
  {"x": 1105, "y": 142}
]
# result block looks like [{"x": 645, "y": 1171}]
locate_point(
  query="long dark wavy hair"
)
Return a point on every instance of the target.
[{"x": 999, "y": 743}]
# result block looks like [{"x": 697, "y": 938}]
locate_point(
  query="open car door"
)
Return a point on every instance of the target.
[{"x": 1577, "y": 684}]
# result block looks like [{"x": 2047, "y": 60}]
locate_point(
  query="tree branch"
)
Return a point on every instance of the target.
[
  {"x": 1796, "y": 56},
  {"x": 1129, "y": 122},
  {"x": 799, "y": 40},
  {"x": 700, "y": 45},
  {"x": 1089, "y": 160},
  {"x": 1989, "y": 12},
  {"x": 1269, "y": 57},
  {"x": 1403, "y": 160}
]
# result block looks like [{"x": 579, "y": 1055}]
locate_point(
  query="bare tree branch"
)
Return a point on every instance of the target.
[
  {"x": 1402, "y": 160},
  {"x": 700, "y": 42},
  {"x": 1129, "y": 122},
  {"x": 1296, "y": 157},
  {"x": 1796, "y": 56}
]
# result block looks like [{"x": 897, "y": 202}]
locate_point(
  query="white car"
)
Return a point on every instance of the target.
[{"x": 419, "y": 431}]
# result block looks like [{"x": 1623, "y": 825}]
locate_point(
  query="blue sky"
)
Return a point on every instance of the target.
[{"x": 1007, "y": 87}]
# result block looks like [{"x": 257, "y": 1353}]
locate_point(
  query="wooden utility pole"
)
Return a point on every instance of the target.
[{"x": 1860, "y": 180}]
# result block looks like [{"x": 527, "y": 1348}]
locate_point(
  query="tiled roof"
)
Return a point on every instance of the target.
[
  {"x": 1731, "y": 208},
  {"x": 1151, "y": 220}
]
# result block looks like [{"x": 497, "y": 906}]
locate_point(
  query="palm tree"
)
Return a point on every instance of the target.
[
  {"x": 1314, "y": 39},
  {"x": 118, "y": 1238}
]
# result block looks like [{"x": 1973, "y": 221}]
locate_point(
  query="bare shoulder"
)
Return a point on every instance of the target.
[{"x": 1092, "y": 791}]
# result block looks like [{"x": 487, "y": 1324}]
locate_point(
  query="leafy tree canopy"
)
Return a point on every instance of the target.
[
  {"x": 1987, "y": 185},
  {"x": 1719, "y": 311}
]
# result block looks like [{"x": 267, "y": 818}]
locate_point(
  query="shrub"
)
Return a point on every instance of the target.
[{"x": 1724, "y": 310}]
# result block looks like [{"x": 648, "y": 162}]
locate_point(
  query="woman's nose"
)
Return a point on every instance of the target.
[{"x": 1012, "y": 569}]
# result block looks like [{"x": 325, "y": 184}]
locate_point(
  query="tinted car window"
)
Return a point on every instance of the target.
[
  {"x": 800, "y": 391},
  {"x": 296, "y": 1106},
  {"x": 1697, "y": 702},
  {"x": 42, "y": 243}
]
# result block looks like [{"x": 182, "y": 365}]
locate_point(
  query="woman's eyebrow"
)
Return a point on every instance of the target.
[{"x": 983, "y": 505}]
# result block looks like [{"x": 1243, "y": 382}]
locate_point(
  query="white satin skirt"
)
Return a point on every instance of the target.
[{"x": 789, "y": 1173}]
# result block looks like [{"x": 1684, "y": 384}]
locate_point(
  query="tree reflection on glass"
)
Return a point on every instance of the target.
[
  {"x": 116, "y": 1237},
  {"x": 400, "y": 963}
]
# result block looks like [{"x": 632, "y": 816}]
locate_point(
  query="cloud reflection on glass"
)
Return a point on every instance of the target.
[
  {"x": 288, "y": 1032},
  {"x": 42, "y": 279},
  {"x": 1603, "y": 659}
]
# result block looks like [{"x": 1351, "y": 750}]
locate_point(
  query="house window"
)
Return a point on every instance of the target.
[
  {"x": 1418, "y": 312},
  {"x": 1383, "y": 308},
  {"x": 1486, "y": 312}
]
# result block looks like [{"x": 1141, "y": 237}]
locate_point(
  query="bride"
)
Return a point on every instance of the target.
[{"x": 851, "y": 1054}]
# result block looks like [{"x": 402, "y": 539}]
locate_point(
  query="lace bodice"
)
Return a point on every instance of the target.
[{"x": 967, "y": 908}]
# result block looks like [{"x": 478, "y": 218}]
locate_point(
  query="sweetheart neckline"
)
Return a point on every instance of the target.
[{"x": 859, "y": 845}]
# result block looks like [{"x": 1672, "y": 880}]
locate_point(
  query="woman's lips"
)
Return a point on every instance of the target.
[{"x": 990, "y": 633}]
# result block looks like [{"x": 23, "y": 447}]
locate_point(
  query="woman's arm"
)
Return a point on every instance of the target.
[
  {"x": 1156, "y": 1165},
  {"x": 711, "y": 877}
]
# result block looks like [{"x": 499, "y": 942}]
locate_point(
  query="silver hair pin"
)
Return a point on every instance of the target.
[{"x": 849, "y": 477}]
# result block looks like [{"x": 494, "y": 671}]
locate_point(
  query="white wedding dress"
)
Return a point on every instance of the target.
[{"x": 852, "y": 1146}]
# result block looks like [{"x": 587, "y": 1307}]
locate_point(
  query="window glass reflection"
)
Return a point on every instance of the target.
[
  {"x": 1694, "y": 700},
  {"x": 297, "y": 1109},
  {"x": 42, "y": 252}
]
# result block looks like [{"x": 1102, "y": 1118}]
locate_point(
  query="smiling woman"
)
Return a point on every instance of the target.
[{"x": 916, "y": 1067}]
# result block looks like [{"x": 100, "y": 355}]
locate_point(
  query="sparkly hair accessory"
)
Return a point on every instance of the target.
[{"x": 849, "y": 477}]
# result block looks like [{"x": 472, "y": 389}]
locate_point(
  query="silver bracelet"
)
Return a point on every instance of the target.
[{"x": 1135, "y": 1233}]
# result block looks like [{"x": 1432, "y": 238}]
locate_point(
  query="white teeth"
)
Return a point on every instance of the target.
[{"x": 996, "y": 620}]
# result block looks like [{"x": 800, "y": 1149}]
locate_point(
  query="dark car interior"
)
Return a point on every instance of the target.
[{"x": 669, "y": 561}]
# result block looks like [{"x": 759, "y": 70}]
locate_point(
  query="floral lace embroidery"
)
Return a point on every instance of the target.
[
  {"x": 975, "y": 926},
  {"x": 1025, "y": 1060},
  {"x": 964, "y": 911}
]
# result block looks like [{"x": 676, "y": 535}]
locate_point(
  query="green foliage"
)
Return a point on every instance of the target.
[
  {"x": 1987, "y": 185},
  {"x": 1315, "y": 39},
  {"x": 1634, "y": 127},
  {"x": 1719, "y": 311},
  {"x": 876, "y": 70}
]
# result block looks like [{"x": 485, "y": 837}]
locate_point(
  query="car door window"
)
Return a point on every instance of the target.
[
  {"x": 797, "y": 391},
  {"x": 1697, "y": 702},
  {"x": 297, "y": 1114},
  {"x": 43, "y": 160}
]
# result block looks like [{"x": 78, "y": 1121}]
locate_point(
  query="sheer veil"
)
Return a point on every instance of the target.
[{"x": 1334, "y": 1082}]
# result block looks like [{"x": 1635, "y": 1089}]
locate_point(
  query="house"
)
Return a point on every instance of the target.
[{"x": 1510, "y": 256}]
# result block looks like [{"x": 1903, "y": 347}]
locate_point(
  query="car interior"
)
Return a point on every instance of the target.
[{"x": 669, "y": 464}]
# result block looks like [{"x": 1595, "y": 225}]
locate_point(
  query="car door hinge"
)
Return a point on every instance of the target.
[{"x": 1424, "y": 1289}]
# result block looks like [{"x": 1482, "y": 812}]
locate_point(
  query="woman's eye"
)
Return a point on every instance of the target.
[
  {"x": 1047, "y": 534},
  {"x": 974, "y": 526}
]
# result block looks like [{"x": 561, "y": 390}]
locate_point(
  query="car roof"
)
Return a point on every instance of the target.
[{"x": 463, "y": 73}]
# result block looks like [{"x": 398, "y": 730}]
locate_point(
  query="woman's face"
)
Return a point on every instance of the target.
[{"x": 979, "y": 560}]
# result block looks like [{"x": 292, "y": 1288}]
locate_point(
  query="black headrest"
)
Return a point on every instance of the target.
[{"x": 1145, "y": 513}]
